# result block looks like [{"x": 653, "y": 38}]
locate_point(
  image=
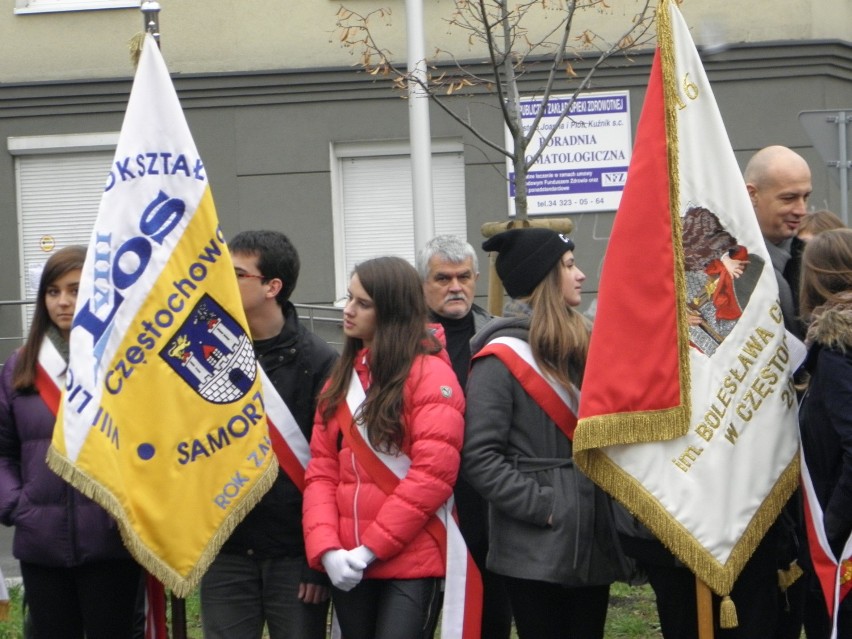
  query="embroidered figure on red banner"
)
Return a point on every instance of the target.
[{"x": 720, "y": 277}]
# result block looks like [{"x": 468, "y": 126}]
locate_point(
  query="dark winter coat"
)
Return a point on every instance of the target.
[
  {"x": 522, "y": 463},
  {"x": 825, "y": 418},
  {"x": 471, "y": 508},
  {"x": 297, "y": 363},
  {"x": 55, "y": 525}
]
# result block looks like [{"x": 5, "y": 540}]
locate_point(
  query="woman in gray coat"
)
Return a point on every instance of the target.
[{"x": 550, "y": 527}]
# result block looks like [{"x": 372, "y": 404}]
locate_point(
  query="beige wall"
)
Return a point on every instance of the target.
[
  {"x": 764, "y": 20},
  {"x": 209, "y": 36}
]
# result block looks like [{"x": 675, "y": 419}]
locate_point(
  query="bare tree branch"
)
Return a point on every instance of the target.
[
  {"x": 512, "y": 55},
  {"x": 615, "y": 48}
]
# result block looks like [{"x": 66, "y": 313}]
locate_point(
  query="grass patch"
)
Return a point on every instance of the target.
[
  {"x": 632, "y": 614},
  {"x": 12, "y": 628}
]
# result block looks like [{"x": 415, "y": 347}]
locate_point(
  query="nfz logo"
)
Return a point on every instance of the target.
[{"x": 614, "y": 179}]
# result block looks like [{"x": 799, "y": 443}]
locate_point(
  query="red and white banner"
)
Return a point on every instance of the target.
[{"x": 688, "y": 412}]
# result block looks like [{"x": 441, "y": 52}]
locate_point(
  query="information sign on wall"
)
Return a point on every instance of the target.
[{"x": 584, "y": 165}]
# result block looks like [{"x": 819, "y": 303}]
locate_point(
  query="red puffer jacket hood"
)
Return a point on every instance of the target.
[{"x": 343, "y": 506}]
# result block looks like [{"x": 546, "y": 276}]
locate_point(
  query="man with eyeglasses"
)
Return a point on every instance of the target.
[{"x": 261, "y": 574}]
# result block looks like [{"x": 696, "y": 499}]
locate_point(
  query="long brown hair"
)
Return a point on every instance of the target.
[
  {"x": 816, "y": 222},
  {"x": 559, "y": 335},
  {"x": 401, "y": 335},
  {"x": 826, "y": 269},
  {"x": 64, "y": 260}
]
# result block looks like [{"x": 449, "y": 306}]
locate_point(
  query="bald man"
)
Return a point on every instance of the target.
[{"x": 778, "y": 181}]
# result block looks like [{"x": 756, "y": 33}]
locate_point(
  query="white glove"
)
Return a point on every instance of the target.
[
  {"x": 361, "y": 557},
  {"x": 340, "y": 571}
]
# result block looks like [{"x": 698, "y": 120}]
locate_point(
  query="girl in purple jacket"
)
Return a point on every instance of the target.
[{"x": 78, "y": 577}]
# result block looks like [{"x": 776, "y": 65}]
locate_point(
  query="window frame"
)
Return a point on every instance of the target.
[
  {"x": 32, "y": 155},
  {"x": 341, "y": 152},
  {"x": 23, "y": 7}
]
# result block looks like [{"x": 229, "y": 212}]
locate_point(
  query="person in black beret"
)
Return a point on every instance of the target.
[
  {"x": 551, "y": 533},
  {"x": 525, "y": 256}
]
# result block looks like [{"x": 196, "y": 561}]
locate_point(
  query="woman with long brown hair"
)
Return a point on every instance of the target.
[
  {"x": 392, "y": 403},
  {"x": 550, "y": 527},
  {"x": 78, "y": 578},
  {"x": 825, "y": 414}
]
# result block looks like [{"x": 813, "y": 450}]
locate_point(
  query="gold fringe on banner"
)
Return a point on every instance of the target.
[
  {"x": 180, "y": 585},
  {"x": 665, "y": 40},
  {"x": 728, "y": 613},
  {"x": 135, "y": 46},
  {"x": 595, "y": 433},
  {"x": 630, "y": 428},
  {"x": 635, "y": 497}
]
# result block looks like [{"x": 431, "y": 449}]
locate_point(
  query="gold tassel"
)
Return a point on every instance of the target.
[
  {"x": 787, "y": 578},
  {"x": 136, "y": 48},
  {"x": 728, "y": 613}
]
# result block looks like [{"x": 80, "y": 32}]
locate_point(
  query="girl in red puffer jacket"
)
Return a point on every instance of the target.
[{"x": 370, "y": 535}]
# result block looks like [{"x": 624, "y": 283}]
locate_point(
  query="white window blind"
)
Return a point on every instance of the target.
[
  {"x": 377, "y": 211},
  {"x": 59, "y": 195}
]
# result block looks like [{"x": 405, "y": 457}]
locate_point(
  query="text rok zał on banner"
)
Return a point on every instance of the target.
[{"x": 163, "y": 420}]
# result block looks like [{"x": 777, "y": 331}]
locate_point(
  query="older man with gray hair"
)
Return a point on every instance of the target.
[{"x": 449, "y": 268}]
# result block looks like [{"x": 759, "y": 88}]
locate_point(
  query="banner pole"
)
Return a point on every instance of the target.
[
  {"x": 179, "y": 616},
  {"x": 704, "y": 606},
  {"x": 151, "y": 15}
]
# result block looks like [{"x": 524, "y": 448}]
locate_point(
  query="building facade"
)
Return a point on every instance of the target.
[{"x": 296, "y": 138}]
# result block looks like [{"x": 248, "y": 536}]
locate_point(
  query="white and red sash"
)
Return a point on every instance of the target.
[
  {"x": 553, "y": 399},
  {"x": 835, "y": 577},
  {"x": 155, "y": 609},
  {"x": 462, "y": 611},
  {"x": 289, "y": 443},
  {"x": 50, "y": 375}
]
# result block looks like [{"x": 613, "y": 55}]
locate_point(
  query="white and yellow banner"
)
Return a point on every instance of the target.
[
  {"x": 163, "y": 420},
  {"x": 688, "y": 412}
]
